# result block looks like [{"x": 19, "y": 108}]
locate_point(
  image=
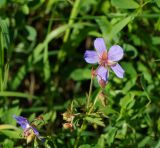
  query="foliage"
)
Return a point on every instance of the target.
[{"x": 43, "y": 72}]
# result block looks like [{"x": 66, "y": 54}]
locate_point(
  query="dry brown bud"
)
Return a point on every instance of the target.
[
  {"x": 68, "y": 126},
  {"x": 68, "y": 117}
]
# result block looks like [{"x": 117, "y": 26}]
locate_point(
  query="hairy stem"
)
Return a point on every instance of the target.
[
  {"x": 90, "y": 92},
  {"x": 79, "y": 134}
]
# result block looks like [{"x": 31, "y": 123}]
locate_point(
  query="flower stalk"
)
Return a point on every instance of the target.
[{"x": 90, "y": 92}]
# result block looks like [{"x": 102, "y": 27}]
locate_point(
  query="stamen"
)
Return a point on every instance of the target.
[
  {"x": 103, "y": 59},
  {"x": 111, "y": 63}
]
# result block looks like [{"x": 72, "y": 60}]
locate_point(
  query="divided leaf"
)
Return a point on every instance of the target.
[
  {"x": 97, "y": 121},
  {"x": 125, "y": 4}
]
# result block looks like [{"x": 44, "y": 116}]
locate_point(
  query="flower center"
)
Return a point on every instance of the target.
[
  {"x": 103, "y": 59},
  {"x": 111, "y": 63}
]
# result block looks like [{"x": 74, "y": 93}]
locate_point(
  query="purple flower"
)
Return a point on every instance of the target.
[
  {"x": 102, "y": 76},
  {"x": 26, "y": 126},
  {"x": 105, "y": 59}
]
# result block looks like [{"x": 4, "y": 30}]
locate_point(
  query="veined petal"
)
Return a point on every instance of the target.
[
  {"x": 115, "y": 53},
  {"x": 118, "y": 70},
  {"x": 22, "y": 121},
  {"x": 35, "y": 131},
  {"x": 100, "y": 46},
  {"x": 102, "y": 73},
  {"x": 102, "y": 76},
  {"x": 37, "y": 134},
  {"x": 91, "y": 57}
]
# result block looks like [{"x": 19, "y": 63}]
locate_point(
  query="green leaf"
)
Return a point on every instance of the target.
[
  {"x": 111, "y": 135},
  {"x": 128, "y": 101},
  {"x": 129, "y": 69},
  {"x": 35, "y": 56},
  {"x": 143, "y": 84},
  {"x": 2, "y": 3},
  {"x": 120, "y": 25},
  {"x": 16, "y": 94},
  {"x": 25, "y": 9},
  {"x": 131, "y": 51},
  {"x": 144, "y": 69},
  {"x": 8, "y": 144},
  {"x": 49, "y": 116},
  {"x": 158, "y": 3},
  {"x": 5, "y": 32},
  {"x": 81, "y": 74},
  {"x": 101, "y": 142},
  {"x": 84, "y": 146},
  {"x": 88, "y": 133},
  {"x": 11, "y": 134},
  {"x": 129, "y": 84},
  {"x": 157, "y": 145},
  {"x": 8, "y": 115},
  {"x": 7, "y": 126},
  {"x": 46, "y": 67},
  {"x": 146, "y": 140},
  {"x": 31, "y": 33},
  {"x": 125, "y": 4},
  {"x": 155, "y": 40},
  {"x": 97, "y": 121},
  {"x": 105, "y": 26}
]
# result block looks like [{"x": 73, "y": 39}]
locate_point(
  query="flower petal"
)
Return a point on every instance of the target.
[
  {"x": 37, "y": 134},
  {"x": 35, "y": 131},
  {"x": 91, "y": 57},
  {"x": 102, "y": 76},
  {"x": 100, "y": 46},
  {"x": 115, "y": 53},
  {"x": 118, "y": 70},
  {"x": 102, "y": 73},
  {"x": 22, "y": 121}
]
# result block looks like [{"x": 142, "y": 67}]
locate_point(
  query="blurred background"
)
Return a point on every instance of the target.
[{"x": 42, "y": 70}]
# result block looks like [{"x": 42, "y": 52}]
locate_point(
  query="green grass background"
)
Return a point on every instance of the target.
[{"x": 42, "y": 71}]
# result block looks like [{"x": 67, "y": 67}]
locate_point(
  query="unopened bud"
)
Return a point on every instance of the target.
[
  {"x": 102, "y": 83},
  {"x": 68, "y": 117},
  {"x": 68, "y": 126}
]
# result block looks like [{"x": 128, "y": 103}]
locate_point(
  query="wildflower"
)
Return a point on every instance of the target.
[
  {"x": 102, "y": 75},
  {"x": 30, "y": 132},
  {"x": 104, "y": 58}
]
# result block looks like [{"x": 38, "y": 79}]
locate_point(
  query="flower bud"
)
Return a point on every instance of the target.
[
  {"x": 102, "y": 83},
  {"x": 68, "y": 117},
  {"x": 68, "y": 126}
]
